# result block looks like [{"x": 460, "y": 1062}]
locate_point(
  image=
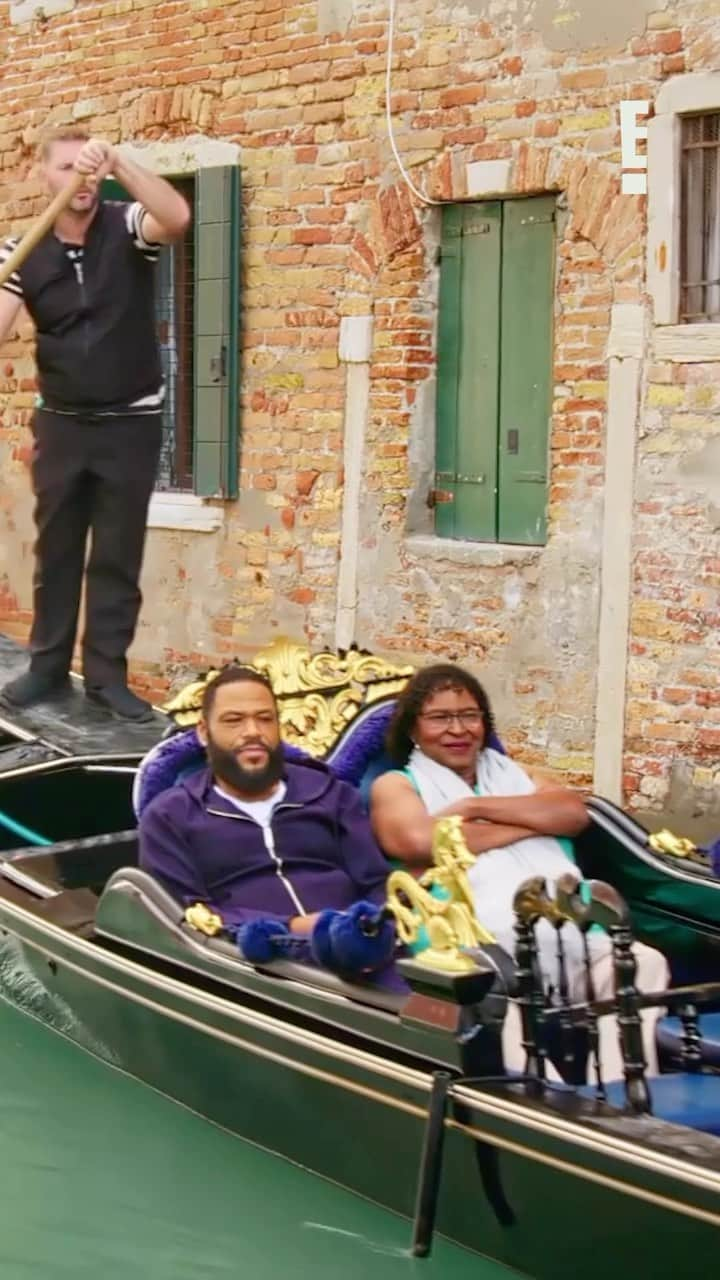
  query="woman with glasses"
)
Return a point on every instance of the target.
[{"x": 518, "y": 823}]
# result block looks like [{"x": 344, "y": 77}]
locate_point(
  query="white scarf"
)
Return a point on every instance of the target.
[{"x": 498, "y": 873}]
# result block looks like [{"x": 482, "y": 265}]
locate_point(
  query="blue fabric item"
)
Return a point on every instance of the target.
[
  {"x": 682, "y": 1098},
  {"x": 713, "y": 852},
  {"x": 339, "y": 944},
  {"x": 669, "y": 1037},
  {"x": 260, "y": 940},
  {"x": 362, "y": 744},
  {"x": 181, "y": 753},
  {"x": 320, "y": 942}
]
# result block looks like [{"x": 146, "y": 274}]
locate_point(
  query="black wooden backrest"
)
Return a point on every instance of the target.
[{"x": 547, "y": 1006}]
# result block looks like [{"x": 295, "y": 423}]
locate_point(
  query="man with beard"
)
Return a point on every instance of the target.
[{"x": 256, "y": 837}]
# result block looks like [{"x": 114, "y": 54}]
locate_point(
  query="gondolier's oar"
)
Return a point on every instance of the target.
[{"x": 41, "y": 226}]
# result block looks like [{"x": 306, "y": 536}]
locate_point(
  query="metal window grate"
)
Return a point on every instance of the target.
[
  {"x": 700, "y": 219},
  {"x": 174, "y": 309}
]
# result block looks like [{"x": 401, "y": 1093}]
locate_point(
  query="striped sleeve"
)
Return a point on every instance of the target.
[
  {"x": 13, "y": 284},
  {"x": 134, "y": 218}
]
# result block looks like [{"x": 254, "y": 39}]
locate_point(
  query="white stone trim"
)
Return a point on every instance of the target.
[
  {"x": 488, "y": 177},
  {"x": 687, "y": 343},
  {"x": 627, "y": 332},
  {"x": 183, "y": 511},
  {"x": 183, "y": 155},
  {"x": 679, "y": 96},
  {"x": 457, "y": 551},
  {"x": 355, "y": 342},
  {"x": 355, "y": 349}
]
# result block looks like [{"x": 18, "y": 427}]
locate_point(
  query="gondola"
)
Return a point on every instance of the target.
[{"x": 403, "y": 1099}]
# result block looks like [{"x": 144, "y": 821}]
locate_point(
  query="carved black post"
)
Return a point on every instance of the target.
[
  {"x": 592, "y": 1020},
  {"x": 629, "y": 1023},
  {"x": 691, "y": 1039},
  {"x": 531, "y": 1002},
  {"x": 566, "y": 1023}
]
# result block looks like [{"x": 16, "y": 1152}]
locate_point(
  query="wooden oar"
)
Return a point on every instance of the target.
[{"x": 41, "y": 226}]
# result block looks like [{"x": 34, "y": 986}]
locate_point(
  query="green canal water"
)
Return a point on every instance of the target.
[{"x": 101, "y": 1177}]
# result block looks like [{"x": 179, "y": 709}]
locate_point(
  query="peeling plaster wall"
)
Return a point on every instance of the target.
[{"x": 571, "y": 25}]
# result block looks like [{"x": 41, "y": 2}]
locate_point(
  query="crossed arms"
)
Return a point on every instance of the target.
[{"x": 403, "y": 827}]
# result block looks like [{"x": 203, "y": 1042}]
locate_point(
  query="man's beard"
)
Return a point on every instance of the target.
[{"x": 227, "y": 768}]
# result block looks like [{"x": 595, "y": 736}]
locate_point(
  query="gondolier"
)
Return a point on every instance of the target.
[{"x": 88, "y": 286}]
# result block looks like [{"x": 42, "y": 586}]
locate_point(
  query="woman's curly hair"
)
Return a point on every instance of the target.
[{"x": 442, "y": 675}]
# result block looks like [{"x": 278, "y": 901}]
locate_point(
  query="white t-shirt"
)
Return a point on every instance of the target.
[{"x": 260, "y": 811}]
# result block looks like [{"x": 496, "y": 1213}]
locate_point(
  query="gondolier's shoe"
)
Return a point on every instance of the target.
[
  {"x": 33, "y": 687},
  {"x": 120, "y": 702}
]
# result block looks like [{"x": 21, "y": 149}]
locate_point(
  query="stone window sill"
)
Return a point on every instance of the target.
[
  {"x": 471, "y": 553},
  {"x": 183, "y": 511},
  {"x": 687, "y": 343}
]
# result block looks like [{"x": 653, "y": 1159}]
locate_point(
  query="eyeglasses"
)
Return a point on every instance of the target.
[{"x": 444, "y": 719}]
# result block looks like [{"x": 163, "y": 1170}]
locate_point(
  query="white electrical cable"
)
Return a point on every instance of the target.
[{"x": 388, "y": 114}]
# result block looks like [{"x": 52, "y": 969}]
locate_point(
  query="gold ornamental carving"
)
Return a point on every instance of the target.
[
  {"x": 203, "y": 920},
  {"x": 666, "y": 842},
  {"x": 319, "y": 694},
  {"x": 451, "y": 925}
]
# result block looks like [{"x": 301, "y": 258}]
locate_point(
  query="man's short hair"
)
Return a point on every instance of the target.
[
  {"x": 61, "y": 133},
  {"x": 234, "y": 674}
]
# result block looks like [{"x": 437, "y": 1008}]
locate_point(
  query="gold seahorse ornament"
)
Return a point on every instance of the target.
[{"x": 450, "y": 924}]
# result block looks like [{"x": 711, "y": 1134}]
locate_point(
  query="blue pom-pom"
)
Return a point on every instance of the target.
[
  {"x": 261, "y": 940},
  {"x": 340, "y": 944},
  {"x": 320, "y": 945}
]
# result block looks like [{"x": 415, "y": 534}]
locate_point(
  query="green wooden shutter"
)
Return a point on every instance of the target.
[
  {"x": 476, "y": 483},
  {"x": 468, "y": 357},
  {"x": 111, "y": 190},
  {"x": 217, "y": 323},
  {"x": 448, "y": 367},
  {"x": 525, "y": 368}
]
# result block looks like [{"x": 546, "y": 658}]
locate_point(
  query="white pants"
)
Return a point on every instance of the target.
[{"x": 652, "y": 974}]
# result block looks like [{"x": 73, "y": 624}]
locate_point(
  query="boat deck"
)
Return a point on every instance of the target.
[{"x": 70, "y": 725}]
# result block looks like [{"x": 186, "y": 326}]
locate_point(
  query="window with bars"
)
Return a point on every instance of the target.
[
  {"x": 700, "y": 219},
  {"x": 198, "y": 320},
  {"x": 174, "y": 309}
]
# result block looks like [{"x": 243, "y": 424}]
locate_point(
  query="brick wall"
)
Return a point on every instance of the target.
[{"x": 331, "y": 230}]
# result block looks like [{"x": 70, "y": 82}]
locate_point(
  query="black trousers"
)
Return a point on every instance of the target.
[{"x": 91, "y": 476}]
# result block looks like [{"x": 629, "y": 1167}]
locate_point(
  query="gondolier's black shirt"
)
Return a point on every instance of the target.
[{"x": 97, "y": 347}]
